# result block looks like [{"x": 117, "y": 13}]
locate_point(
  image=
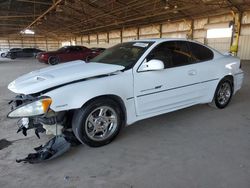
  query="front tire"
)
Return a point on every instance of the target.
[
  {"x": 53, "y": 60},
  {"x": 12, "y": 56},
  {"x": 97, "y": 123},
  {"x": 223, "y": 93}
]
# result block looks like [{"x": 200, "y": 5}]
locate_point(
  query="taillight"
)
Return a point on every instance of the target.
[{"x": 44, "y": 56}]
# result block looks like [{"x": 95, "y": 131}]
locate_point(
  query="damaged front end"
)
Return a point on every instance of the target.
[{"x": 35, "y": 113}]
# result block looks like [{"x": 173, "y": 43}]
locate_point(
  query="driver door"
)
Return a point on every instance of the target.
[{"x": 169, "y": 89}]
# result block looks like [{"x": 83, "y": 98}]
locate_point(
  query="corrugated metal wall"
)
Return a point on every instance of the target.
[
  {"x": 244, "y": 47},
  {"x": 30, "y": 42},
  {"x": 244, "y": 40},
  {"x": 220, "y": 44},
  {"x": 179, "y": 29}
]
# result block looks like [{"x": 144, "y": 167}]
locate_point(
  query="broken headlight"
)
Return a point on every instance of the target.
[{"x": 34, "y": 108}]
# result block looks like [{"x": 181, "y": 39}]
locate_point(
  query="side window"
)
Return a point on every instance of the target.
[
  {"x": 27, "y": 50},
  {"x": 68, "y": 49},
  {"x": 172, "y": 53},
  {"x": 78, "y": 49},
  {"x": 181, "y": 54},
  {"x": 200, "y": 52},
  {"x": 162, "y": 52},
  {"x": 73, "y": 49}
]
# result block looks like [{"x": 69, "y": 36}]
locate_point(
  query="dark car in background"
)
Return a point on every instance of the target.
[
  {"x": 25, "y": 52},
  {"x": 97, "y": 49},
  {"x": 3, "y": 54},
  {"x": 67, "y": 53}
]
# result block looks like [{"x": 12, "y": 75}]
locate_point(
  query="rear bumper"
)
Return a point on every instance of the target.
[{"x": 238, "y": 81}]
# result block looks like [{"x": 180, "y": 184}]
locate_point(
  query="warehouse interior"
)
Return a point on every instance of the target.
[
  {"x": 108, "y": 22},
  {"x": 194, "y": 147}
]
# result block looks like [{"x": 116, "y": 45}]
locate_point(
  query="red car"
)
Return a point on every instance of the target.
[{"x": 66, "y": 53}]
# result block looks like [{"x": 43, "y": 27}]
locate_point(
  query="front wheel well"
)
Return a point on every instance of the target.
[{"x": 116, "y": 99}]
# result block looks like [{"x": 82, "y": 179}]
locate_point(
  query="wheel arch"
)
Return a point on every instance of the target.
[
  {"x": 116, "y": 99},
  {"x": 230, "y": 78}
]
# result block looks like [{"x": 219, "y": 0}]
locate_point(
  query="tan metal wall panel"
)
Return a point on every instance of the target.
[
  {"x": 78, "y": 41},
  {"x": 244, "y": 47},
  {"x": 126, "y": 39},
  {"x": 85, "y": 39},
  {"x": 129, "y": 32},
  {"x": 220, "y": 44},
  {"x": 149, "y": 30},
  {"x": 246, "y": 17},
  {"x": 93, "y": 39},
  {"x": 221, "y": 18},
  {"x": 114, "y": 34},
  {"x": 245, "y": 30},
  {"x": 199, "y": 23},
  {"x": 177, "y": 26},
  {"x": 27, "y": 42},
  {"x": 114, "y": 40},
  {"x": 149, "y": 36},
  {"x": 199, "y": 34},
  {"x": 102, "y": 38},
  {"x": 175, "y": 35}
]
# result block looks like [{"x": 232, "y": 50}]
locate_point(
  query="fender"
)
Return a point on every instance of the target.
[{"x": 74, "y": 96}]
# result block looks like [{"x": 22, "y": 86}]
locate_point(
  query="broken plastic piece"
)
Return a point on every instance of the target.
[
  {"x": 39, "y": 130},
  {"x": 52, "y": 149},
  {"x": 23, "y": 129}
]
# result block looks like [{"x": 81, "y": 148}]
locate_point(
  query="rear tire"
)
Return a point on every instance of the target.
[
  {"x": 53, "y": 60},
  {"x": 98, "y": 122},
  {"x": 223, "y": 93}
]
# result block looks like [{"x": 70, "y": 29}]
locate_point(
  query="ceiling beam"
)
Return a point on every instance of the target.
[
  {"x": 18, "y": 16},
  {"x": 138, "y": 18},
  {"x": 35, "y": 2},
  {"x": 8, "y": 24},
  {"x": 234, "y": 5},
  {"x": 46, "y": 12},
  {"x": 102, "y": 10}
]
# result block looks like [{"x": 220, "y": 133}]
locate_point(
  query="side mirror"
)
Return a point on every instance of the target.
[{"x": 152, "y": 65}]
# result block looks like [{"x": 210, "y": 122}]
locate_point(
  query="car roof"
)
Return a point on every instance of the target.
[
  {"x": 72, "y": 46},
  {"x": 161, "y": 39}
]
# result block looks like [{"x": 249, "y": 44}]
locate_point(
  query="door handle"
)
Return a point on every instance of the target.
[{"x": 192, "y": 72}]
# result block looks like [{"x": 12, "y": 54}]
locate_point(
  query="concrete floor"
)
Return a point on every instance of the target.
[{"x": 197, "y": 147}]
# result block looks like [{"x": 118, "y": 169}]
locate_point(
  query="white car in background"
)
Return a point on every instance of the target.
[
  {"x": 126, "y": 83},
  {"x": 3, "y": 53}
]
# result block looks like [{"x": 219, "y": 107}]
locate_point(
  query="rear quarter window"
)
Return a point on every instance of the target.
[{"x": 200, "y": 53}]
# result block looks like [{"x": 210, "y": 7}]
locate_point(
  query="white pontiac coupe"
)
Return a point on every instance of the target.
[{"x": 126, "y": 83}]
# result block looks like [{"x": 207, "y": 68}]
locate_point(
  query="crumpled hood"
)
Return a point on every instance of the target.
[{"x": 52, "y": 76}]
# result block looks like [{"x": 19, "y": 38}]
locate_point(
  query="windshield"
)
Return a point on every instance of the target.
[{"x": 125, "y": 54}]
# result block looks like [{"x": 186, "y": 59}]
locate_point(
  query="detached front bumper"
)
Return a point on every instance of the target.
[{"x": 51, "y": 123}]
